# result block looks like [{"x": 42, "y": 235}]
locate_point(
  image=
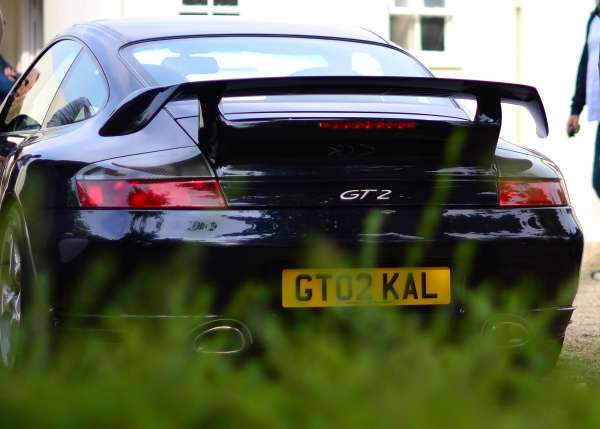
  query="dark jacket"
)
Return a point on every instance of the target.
[
  {"x": 5, "y": 83},
  {"x": 579, "y": 98}
]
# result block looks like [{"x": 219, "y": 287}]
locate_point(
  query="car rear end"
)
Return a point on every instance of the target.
[{"x": 334, "y": 198}]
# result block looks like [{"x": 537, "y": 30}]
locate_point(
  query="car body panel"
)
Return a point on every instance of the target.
[{"x": 281, "y": 239}]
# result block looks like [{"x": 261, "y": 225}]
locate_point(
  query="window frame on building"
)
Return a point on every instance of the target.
[
  {"x": 417, "y": 10},
  {"x": 209, "y": 9}
]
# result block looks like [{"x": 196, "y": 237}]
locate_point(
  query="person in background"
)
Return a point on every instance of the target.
[
  {"x": 587, "y": 89},
  {"x": 8, "y": 75}
]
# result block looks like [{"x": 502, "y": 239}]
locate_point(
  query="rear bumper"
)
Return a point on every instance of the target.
[
  {"x": 243, "y": 335},
  {"x": 502, "y": 248},
  {"x": 560, "y": 318}
]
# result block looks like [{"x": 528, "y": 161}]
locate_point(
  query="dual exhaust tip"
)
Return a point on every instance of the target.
[
  {"x": 221, "y": 337},
  {"x": 507, "y": 331},
  {"x": 231, "y": 337}
]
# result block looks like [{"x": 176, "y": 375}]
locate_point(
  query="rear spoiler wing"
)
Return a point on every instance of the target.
[{"x": 140, "y": 108}]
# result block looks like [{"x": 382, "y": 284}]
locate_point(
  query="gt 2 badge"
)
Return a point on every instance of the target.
[{"x": 362, "y": 194}]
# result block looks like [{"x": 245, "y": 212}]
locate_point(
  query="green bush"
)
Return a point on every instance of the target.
[{"x": 351, "y": 368}]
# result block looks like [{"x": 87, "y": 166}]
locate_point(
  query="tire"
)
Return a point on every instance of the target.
[{"x": 13, "y": 280}]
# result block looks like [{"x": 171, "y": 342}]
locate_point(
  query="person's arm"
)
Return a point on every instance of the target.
[
  {"x": 579, "y": 98},
  {"x": 581, "y": 85},
  {"x": 69, "y": 113}
]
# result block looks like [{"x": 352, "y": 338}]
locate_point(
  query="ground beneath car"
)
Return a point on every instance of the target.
[{"x": 583, "y": 336}]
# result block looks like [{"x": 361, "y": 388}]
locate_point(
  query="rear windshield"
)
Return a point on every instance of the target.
[{"x": 172, "y": 61}]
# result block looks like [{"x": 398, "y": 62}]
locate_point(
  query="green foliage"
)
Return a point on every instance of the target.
[{"x": 351, "y": 368}]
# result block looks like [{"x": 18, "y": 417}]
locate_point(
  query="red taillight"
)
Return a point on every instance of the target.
[
  {"x": 532, "y": 193},
  {"x": 150, "y": 194},
  {"x": 368, "y": 125}
]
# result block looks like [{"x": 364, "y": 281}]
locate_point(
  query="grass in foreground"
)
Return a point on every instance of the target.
[{"x": 343, "y": 368}]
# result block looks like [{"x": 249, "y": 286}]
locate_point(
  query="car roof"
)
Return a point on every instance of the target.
[{"x": 136, "y": 29}]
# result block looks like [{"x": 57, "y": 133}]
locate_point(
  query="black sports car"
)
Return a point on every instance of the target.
[{"x": 244, "y": 140}]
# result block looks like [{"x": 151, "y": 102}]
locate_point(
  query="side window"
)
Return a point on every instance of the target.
[
  {"x": 31, "y": 99},
  {"x": 82, "y": 94}
]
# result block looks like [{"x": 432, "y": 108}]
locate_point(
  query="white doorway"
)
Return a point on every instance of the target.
[{"x": 32, "y": 31}]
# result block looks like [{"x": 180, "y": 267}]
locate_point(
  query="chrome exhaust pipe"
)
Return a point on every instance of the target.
[
  {"x": 221, "y": 337},
  {"x": 508, "y": 331}
]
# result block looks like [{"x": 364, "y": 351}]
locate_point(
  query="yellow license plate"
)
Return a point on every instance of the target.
[{"x": 364, "y": 287}]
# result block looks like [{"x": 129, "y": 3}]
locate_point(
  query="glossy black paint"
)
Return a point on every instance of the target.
[
  {"x": 237, "y": 246},
  {"x": 276, "y": 205}
]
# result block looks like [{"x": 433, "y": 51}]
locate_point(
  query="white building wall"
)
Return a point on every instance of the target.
[
  {"x": 145, "y": 8},
  {"x": 372, "y": 14},
  {"x": 61, "y": 14}
]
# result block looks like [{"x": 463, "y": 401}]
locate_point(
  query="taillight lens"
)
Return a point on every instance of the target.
[
  {"x": 368, "y": 125},
  {"x": 532, "y": 193},
  {"x": 150, "y": 194}
]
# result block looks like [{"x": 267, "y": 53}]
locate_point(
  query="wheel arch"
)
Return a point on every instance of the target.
[{"x": 11, "y": 201}]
